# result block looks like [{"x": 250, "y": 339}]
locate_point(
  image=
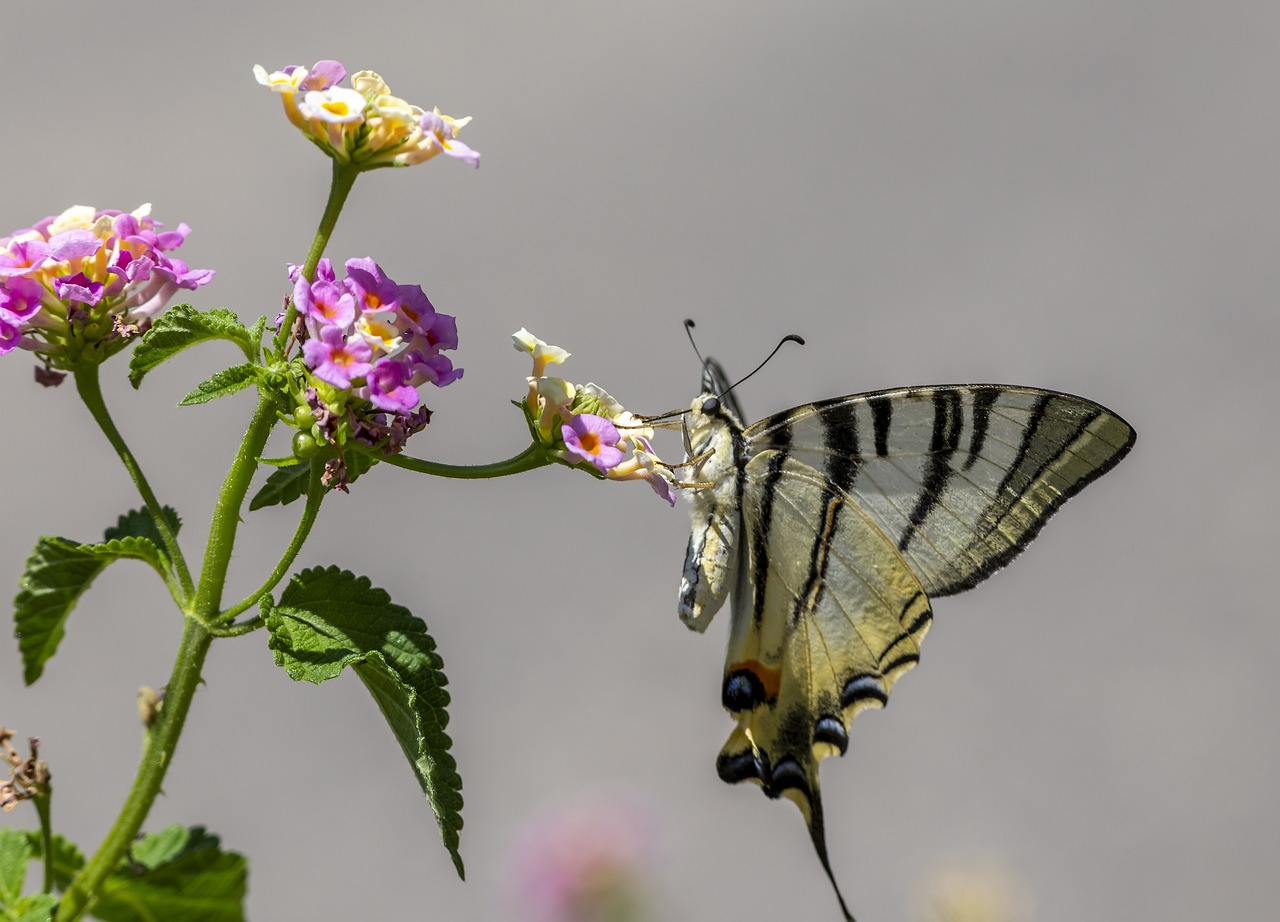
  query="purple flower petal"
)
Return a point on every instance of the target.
[
  {"x": 370, "y": 286},
  {"x": 592, "y": 438},
  {"x": 73, "y": 244},
  {"x": 324, "y": 302},
  {"x": 433, "y": 369},
  {"x": 389, "y": 388},
  {"x": 336, "y": 359},
  {"x": 416, "y": 308},
  {"x": 78, "y": 288},
  {"x": 322, "y": 75},
  {"x": 23, "y": 258},
  {"x": 21, "y": 298}
]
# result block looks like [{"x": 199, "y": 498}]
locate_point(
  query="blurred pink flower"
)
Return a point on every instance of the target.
[{"x": 590, "y": 862}]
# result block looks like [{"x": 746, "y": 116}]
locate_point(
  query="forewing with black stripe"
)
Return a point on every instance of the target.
[{"x": 959, "y": 477}]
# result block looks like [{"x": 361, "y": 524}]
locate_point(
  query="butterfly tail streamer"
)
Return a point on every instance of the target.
[{"x": 818, "y": 834}]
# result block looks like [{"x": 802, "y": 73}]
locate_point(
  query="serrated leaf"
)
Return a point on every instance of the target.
[
  {"x": 178, "y": 875},
  {"x": 59, "y": 571},
  {"x": 15, "y": 852},
  {"x": 328, "y": 619},
  {"x": 255, "y": 335},
  {"x": 221, "y": 384},
  {"x": 57, "y": 574},
  {"x": 37, "y": 907},
  {"x": 67, "y": 858},
  {"x": 182, "y": 326},
  {"x": 283, "y": 486},
  {"x": 139, "y": 524}
]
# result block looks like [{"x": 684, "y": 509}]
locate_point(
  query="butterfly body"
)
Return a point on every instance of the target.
[{"x": 832, "y": 523}]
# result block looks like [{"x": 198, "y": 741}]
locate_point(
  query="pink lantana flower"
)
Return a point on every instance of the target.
[
  {"x": 364, "y": 124},
  {"x": 87, "y": 280},
  {"x": 389, "y": 387},
  {"x": 364, "y": 358},
  {"x": 335, "y": 359},
  {"x": 583, "y": 423},
  {"x": 593, "y": 439}
]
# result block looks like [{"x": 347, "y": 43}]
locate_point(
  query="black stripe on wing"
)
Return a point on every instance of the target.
[
  {"x": 1027, "y": 468},
  {"x": 982, "y": 403},
  {"x": 764, "y": 525},
  {"x": 943, "y": 443},
  {"x": 843, "y": 456}
]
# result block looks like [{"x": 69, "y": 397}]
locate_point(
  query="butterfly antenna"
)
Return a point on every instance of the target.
[
  {"x": 789, "y": 338},
  {"x": 688, "y": 331}
]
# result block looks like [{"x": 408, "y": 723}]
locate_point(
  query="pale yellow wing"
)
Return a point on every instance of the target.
[
  {"x": 826, "y": 616},
  {"x": 959, "y": 477}
]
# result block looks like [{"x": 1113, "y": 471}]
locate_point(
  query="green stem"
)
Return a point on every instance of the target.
[
  {"x": 226, "y": 513},
  {"x": 315, "y": 494},
  {"x": 90, "y": 388},
  {"x": 340, "y": 183},
  {"x": 532, "y": 457},
  {"x": 156, "y": 756},
  {"x": 162, "y": 740},
  {"x": 43, "y": 803}
]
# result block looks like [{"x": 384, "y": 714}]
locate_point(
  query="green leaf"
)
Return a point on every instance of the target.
[
  {"x": 138, "y": 523},
  {"x": 15, "y": 852},
  {"x": 67, "y": 858},
  {"x": 59, "y": 571},
  {"x": 221, "y": 384},
  {"x": 283, "y": 486},
  {"x": 38, "y": 907},
  {"x": 182, "y": 326},
  {"x": 255, "y": 335},
  {"x": 328, "y": 619},
  {"x": 175, "y": 875}
]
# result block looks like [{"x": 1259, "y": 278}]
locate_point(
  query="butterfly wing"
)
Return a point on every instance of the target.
[
  {"x": 826, "y": 616},
  {"x": 852, "y": 510},
  {"x": 959, "y": 477}
]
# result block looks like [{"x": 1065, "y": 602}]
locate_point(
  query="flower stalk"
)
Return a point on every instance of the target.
[
  {"x": 162, "y": 741},
  {"x": 90, "y": 389},
  {"x": 157, "y": 754}
]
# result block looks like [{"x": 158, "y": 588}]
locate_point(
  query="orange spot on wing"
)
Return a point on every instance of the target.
[{"x": 770, "y": 679}]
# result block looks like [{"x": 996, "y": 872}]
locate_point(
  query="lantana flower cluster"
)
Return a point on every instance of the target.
[
  {"x": 583, "y": 425},
  {"x": 86, "y": 281},
  {"x": 368, "y": 343},
  {"x": 363, "y": 124}
]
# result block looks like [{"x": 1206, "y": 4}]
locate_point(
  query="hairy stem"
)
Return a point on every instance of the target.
[
  {"x": 340, "y": 183},
  {"x": 532, "y": 457},
  {"x": 89, "y": 386},
  {"x": 315, "y": 494},
  {"x": 162, "y": 741},
  {"x": 156, "y": 755},
  {"x": 43, "y": 804}
]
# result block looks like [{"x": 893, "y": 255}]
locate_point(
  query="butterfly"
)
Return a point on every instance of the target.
[{"x": 833, "y": 523}]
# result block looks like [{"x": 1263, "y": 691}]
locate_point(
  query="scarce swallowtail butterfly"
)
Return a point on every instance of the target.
[{"x": 833, "y": 523}]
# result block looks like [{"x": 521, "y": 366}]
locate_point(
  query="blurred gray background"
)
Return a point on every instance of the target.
[{"x": 1079, "y": 196}]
